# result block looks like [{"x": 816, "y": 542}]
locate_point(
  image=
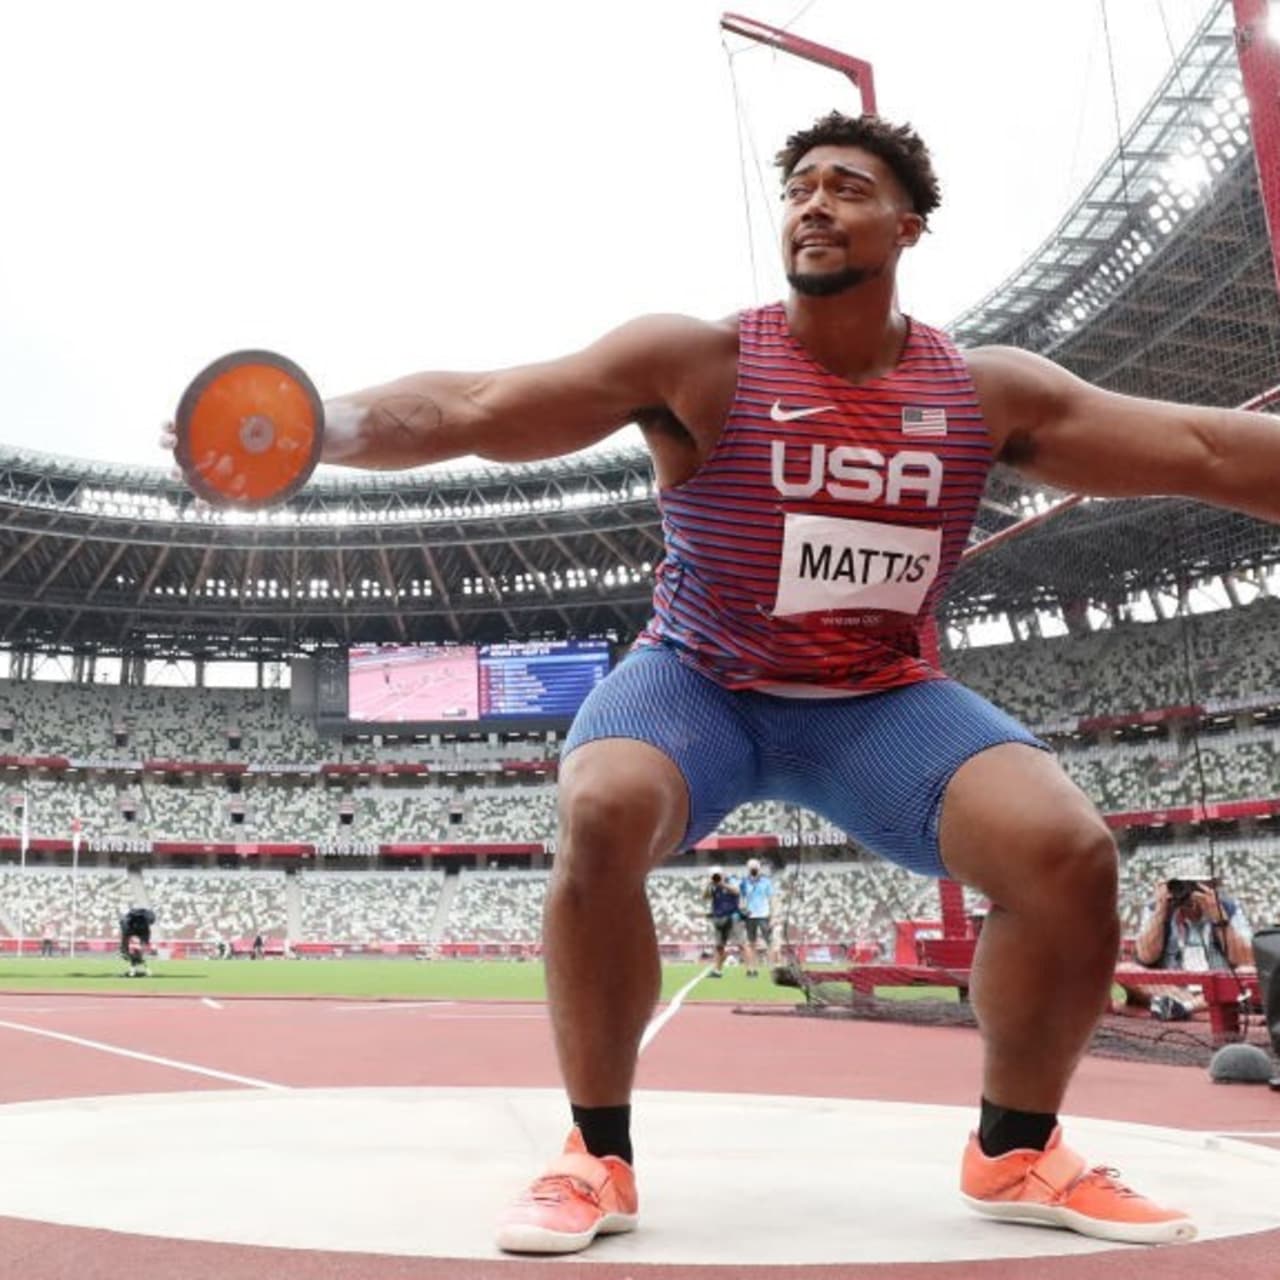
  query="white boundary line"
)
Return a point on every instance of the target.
[
  {"x": 378, "y": 1006},
  {"x": 142, "y": 1057},
  {"x": 656, "y": 1024},
  {"x": 68, "y": 1007},
  {"x": 1245, "y": 1133}
]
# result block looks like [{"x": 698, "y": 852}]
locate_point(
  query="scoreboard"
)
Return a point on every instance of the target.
[
  {"x": 519, "y": 681},
  {"x": 524, "y": 684}
]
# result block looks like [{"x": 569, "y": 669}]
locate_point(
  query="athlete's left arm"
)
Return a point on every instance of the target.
[{"x": 1056, "y": 428}]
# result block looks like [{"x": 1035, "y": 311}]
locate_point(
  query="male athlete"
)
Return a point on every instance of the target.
[{"x": 819, "y": 463}]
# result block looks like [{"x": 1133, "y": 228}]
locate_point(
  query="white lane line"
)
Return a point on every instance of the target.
[
  {"x": 394, "y": 1004},
  {"x": 656, "y": 1025},
  {"x": 143, "y": 1057},
  {"x": 51, "y": 1008},
  {"x": 1247, "y": 1133},
  {"x": 213, "y": 1004},
  {"x": 492, "y": 1017}
]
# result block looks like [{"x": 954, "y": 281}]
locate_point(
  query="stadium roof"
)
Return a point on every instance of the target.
[{"x": 1159, "y": 280}]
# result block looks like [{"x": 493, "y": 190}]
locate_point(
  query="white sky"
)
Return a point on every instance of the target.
[{"x": 377, "y": 188}]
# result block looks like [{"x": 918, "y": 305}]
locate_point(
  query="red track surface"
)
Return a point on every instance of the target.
[{"x": 328, "y": 1044}]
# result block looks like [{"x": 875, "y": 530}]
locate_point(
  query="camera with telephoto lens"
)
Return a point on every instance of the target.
[{"x": 1180, "y": 891}]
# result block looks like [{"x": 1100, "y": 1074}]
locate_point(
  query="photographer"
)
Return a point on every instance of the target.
[
  {"x": 1189, "y": 926},
  {"x": 135, "y": 938},
  {"x": 723, "y": 899}
]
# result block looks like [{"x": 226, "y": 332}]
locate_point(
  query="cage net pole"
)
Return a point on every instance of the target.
[
  {"x": 860, "y": 74},
  {"x": 858, "y": 71},
  {"x": 1258, "y": 52}
]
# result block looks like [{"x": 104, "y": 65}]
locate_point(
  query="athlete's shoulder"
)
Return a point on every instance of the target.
[
  {"x": 668, "y": 343},
  {"x": 1013, "y": 369},
  {"x": 1018, "y": 390},
  {"x": 670, "y": 328}
]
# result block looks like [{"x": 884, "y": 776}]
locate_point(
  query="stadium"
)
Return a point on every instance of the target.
[{"x": 329, "y": 733}]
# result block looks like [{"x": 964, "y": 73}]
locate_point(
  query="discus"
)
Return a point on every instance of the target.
[{"x": 248, "y": 430}]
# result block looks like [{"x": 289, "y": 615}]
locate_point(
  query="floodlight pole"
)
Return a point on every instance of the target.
[
  {"x": 858, "y": 72},
  {"x": 75, "y": 877},
  {"x": 22, "y": 867}
]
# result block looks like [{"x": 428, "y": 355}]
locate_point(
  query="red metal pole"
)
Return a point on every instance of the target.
[
  {"x": 951, "y": 905},
  {"x": 857, "y": 70},
  {"x": 1259, "y": 54}
]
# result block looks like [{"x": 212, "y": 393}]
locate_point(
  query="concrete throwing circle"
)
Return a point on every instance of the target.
[{"x": 424, "y": 1172}]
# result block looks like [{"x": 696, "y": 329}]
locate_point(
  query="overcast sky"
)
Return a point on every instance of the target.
[{"x": 377, "y": 188}]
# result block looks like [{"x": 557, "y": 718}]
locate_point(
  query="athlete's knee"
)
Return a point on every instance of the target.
[
  {"x": 619, "y": 823},
  {"x": 1076, "y": 881},
  {"x": 1090, "y": 863},
  {"x": 621, "y": 818}
]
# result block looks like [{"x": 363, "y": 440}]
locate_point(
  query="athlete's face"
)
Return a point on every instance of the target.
[{"x": 845, "y": 220}]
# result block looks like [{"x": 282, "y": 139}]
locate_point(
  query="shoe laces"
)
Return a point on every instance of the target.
[
  {"x": 1110, "y": 1179},
  {"x": 556, "y": 1188}
]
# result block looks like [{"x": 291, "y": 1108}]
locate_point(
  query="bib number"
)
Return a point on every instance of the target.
[{"x": 829, "y": 564}]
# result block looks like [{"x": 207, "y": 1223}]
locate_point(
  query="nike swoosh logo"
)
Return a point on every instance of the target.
[{"x": 779, "y": 414}]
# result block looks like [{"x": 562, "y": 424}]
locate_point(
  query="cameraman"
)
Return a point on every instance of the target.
[
  {"x": 723, "y": 899},
  {"x": 135, "y": 939},
  {"x": 1192, "y": 927}
]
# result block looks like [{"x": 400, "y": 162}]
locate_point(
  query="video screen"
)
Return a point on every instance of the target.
[
  {"x": 528, "y": 679},
  {"x": 400, "y": 684},
  {"x": 436, "y": 684}
]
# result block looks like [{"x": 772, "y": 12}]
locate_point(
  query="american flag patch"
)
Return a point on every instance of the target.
[{"x": 924, "y": 422}]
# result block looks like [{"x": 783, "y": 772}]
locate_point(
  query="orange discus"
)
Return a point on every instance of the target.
[{"x": 249, "y": 429}]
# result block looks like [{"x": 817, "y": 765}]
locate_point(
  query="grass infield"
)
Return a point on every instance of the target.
[{"x": 371, "y": 979}]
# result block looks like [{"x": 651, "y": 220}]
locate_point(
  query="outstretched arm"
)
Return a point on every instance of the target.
[
  {"x": 520, "y": 414},
  {"x": 1054, "y": 427}
]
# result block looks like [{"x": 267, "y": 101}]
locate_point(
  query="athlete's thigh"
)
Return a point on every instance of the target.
[
  {"x": 653, "y": 698},
  {"x": 1015, "y": 826},
  {"x": 878, "y": 767}
]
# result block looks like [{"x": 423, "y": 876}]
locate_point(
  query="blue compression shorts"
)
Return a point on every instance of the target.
[{"x": 875, "y": 766}]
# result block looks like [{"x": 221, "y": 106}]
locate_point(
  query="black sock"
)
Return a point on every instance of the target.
[
  {"x": 1002, "y": 1129},
  {"x": 606, "y": 1131}
]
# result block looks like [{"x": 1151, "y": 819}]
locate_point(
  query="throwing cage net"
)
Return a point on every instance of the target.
[{"x": 1140, "y": 637}]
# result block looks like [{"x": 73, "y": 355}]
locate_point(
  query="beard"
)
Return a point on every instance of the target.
[{"x": 827, "y": 284}]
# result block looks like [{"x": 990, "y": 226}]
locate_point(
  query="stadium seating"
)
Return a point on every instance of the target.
[
  {"x": 209, "y": 906},
  {"x": 39, "y": 902},
  {"x": 497, "y": 906},
  {"x": 830, "y": 903},
  {"x": 368, "y": 907},
  {"x": 1234, "y": 658},
  {"x": 283, "y": 797}
]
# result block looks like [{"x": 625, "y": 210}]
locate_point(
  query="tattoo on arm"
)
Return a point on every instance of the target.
[{"x": 406, "y": 419}]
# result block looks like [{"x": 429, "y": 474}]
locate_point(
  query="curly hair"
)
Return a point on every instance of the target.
[{"x": 898, "y": 145}]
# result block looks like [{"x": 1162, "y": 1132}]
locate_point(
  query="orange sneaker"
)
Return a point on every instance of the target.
[
  {"x": 579, "y": 1197},
  {"x": 1054, "y": 1187}
]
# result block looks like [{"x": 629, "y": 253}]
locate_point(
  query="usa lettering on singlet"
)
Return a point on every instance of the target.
[{"x": 812, "y": 546}]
